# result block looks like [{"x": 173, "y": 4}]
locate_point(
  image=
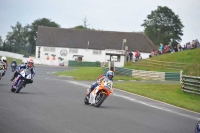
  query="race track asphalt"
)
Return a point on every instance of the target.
[{"x": 55, "y": 105}]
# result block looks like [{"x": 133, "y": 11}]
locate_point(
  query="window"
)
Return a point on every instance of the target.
[
  {"x": 49, "y": 49},
  {"x": 73, "y": 50},
  {"x": 97, "y": 52}
]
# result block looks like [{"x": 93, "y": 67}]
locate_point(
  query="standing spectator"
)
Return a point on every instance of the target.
[
  {"x": 175, "y": 49},
  {"x": 170, "y": 48},
  {"x": 127, "y": 56},
  {"x": 167, "y": 49},
  {"x": 152, "y": 53},
  {"x": 131, "y": 56},
  {"x": 155, "y": 53},
  {"x": 179, "y": 47},
  {"x": 161, "y": 48},
  {"x": 137, "y": 55}
]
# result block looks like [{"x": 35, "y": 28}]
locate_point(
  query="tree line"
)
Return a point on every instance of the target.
[{"x": 161, "y": 26}]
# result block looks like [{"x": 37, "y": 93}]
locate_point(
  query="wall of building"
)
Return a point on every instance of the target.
[{"x": 86, "y": 53}]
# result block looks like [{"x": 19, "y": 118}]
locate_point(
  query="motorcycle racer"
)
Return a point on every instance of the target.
[
  {"x": 3, "y": 66},
  {"x": 29, "y": 65},
  {"x": 109, "y": 75}
]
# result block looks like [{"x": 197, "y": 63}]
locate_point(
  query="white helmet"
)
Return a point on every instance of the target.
[{"x": 3, "y": 59}]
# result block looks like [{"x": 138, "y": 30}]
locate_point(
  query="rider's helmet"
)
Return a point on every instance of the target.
[
  {"x": 30, "y": 63},
  {"x": 110, "y": 75},
  {"x": 4, "y": 59}
]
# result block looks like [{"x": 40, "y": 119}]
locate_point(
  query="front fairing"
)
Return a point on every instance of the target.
[{"x": 105, "y": 87}]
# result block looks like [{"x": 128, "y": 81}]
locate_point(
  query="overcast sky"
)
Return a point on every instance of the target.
[{"x": 107, "y": 15}]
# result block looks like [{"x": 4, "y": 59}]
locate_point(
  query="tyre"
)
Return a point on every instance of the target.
[
  {"x": 99, "y": 99},
  {"x": 86, "y": 101},
  {"x": 13, "y": 89},
  {"x": 19, "y": 87}
]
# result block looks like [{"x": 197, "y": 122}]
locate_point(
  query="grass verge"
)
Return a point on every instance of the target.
[
  {"x": 89, "y": 73},
  {"x": 168, "y": 93}
]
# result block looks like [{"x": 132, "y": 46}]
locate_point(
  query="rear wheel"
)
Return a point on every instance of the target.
[
  {"x": 99, "y": 99},
  {"x": 20, "y": 86}
]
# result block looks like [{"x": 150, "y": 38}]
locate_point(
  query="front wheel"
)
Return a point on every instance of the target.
[
  {"x": 99, "y": 99},
  {"x": 12, "y": 89},
  {"x": 20, "y": 86},
  {"x": 86, "y": 101}
]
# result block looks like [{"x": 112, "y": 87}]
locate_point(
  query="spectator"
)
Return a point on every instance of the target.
[
  {"x": 152, "y": 53},
  {"x": 179, "y": 47},
  {"x": 131, "y": 56},
  {"x": 175, "y": 49},
  {"x": 155, "y": 53},
  {"x": 161, "y": 48},
  {"x": 137, "y": 55},
  {"x": 127, "y": 56},
  {"x": 167, "y": 49}
]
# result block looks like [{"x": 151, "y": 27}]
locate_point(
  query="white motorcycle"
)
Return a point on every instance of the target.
[
  {"x": 100, "y": 93},
  {"x": 21, "y": 80}
]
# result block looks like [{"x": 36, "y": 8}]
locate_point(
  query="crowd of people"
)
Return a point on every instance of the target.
[
  {"x": 163, "y": 49},
  {"x": 170, "y": 49},
  {"x": 133, "y": 57}
]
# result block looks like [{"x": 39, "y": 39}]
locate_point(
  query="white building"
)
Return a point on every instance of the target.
[{"x": 88, "y": 45}]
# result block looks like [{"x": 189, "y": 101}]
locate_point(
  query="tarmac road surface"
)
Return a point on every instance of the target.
[{"x": 55, "y": 105}]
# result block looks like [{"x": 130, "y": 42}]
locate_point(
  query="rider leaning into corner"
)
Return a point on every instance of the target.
[
  {"x": 4, "y": 66},
  {"x": 109, "y": 75},
  {"x": 30, "y": 66}
]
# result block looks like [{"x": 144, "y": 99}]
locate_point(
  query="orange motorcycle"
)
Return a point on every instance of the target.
[{"x": 100, "y": 93}]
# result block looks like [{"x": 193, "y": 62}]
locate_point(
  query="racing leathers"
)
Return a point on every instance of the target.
[
  {"x": 24, "y": 67},
  {"x": 99, "y": 79},
  {"x": 3, "y": 68}
]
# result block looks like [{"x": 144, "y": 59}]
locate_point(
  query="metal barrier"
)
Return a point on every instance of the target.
[
  {"x": 84, "y": 64},
  {"x": 149, "y": 75},
  {"x": 190, "y": 84}
]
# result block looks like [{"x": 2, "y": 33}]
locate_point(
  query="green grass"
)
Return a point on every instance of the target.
[
  {"x": 90, "y": 73},
  {"x": 168, "y": 93},
  {"x": 188, "y": 61},
  {"x": 186, "y": 56}
]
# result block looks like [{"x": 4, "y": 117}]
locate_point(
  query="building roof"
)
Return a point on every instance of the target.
[{"x": 93, "y": 39}]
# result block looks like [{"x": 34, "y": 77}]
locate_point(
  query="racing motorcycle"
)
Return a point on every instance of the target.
[
  {"x": 100, "y": 93},
  {"x": 2, "y": 71},
  {"x": 13, "y": 67},
  {"x": 21, "y": 80}
]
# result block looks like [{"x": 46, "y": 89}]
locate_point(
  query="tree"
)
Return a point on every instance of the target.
[
  {"x": 79, "y": 27},
  {"x": 33, "y": 31},
  {"x": 163, "y": 26},
  {"x": 17, "y": 38}
]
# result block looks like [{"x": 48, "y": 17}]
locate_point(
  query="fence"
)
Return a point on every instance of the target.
[
  {"x": 83, "y": 64},
  {"x": 191, "y": 84},
  {"x": 150, "y": 75}
]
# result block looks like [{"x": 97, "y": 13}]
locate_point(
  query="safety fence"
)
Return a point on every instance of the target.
[
  {"x": 190, "y": 84},
  {"x": 149, "y": 75},
  {"x": 83, "y": 64}
]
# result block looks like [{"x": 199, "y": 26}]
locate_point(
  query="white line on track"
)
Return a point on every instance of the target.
[{"x": 134, "y": 100}]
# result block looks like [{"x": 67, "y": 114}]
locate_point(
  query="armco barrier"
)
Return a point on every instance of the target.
[
  {"x": 190, "y": 84},
  {"x": 172, "y": 76},
  {"x": 84, "y": 64},
  {"x": 148, "y": 75}
]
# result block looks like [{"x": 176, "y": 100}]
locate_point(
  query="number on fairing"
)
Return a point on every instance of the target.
[{"x": 108, "y": 84}]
